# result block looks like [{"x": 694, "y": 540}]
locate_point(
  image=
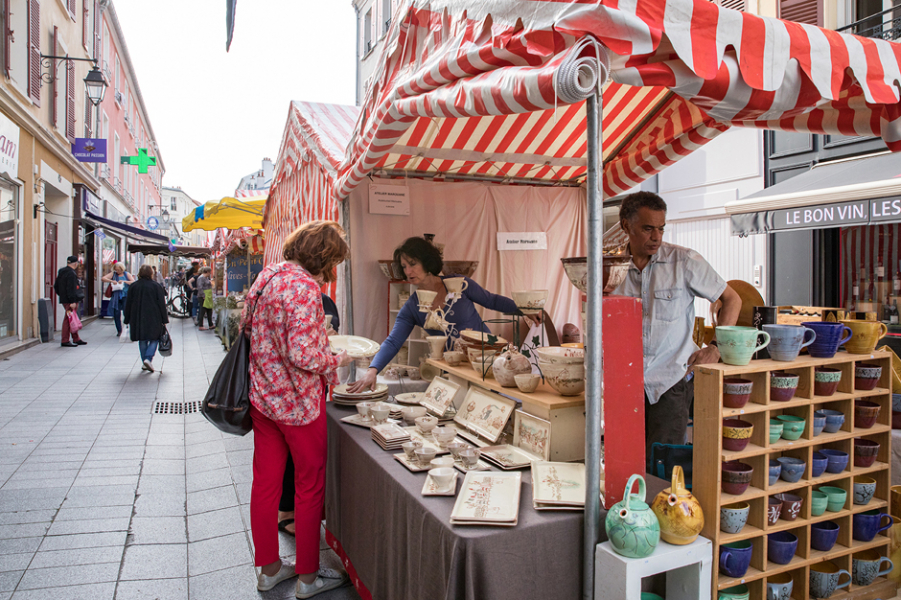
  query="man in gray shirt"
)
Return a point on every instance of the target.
[{"x": 668, "y": 278}]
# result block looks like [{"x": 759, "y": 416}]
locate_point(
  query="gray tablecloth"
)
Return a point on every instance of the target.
[{"x": 403, "y": 546}]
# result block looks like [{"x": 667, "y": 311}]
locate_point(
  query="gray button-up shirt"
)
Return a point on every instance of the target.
[{"x": 668, "y": 286}]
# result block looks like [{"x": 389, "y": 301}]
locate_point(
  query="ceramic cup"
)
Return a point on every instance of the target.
[
  {"x": 773, "y": 510},
  {"x": 425, "y": 299},
  {"x": 736, "y": 434},
  {"x": 781, "y": 547},
  {"x": 836, "y": 497},
  {"x": 865, "y": 567},
  {"x": 792, "y": 426},
  {"x": 456, "y": 285},
  {"x": 437, "y": 344},
  {"x": 442, "y": 461},
  {"x": 834, "y": 419},
  {"x": 424, "y": 456},
  {"x": 792, "y": 468},
  {"x": 826, "y": 380},
  {"x": 866, "y": 413},
  {"x": 411, "y": 413},
  {"x": 735, "y": 558},
  {"x": 734, "y": 517},
  {"x": 791, "y": 506},
  {"x": 866, "y": 376},
  {"x": 838, "y": 460},
  {"x": 819, "y": 423},
  {"x": 736, "y": 392},
  {"x": 786, "y": 341},
  {"x": 364, "y": 410},
  {"x": 736, "y": 477},
  {"x": 454, "y": 357},
  {"x": 864, "y": 336},
  {"x": 470, "y": 457},
  {"x": 779, "y": 586},
  {"x": 865, "y": 452},
  {"x": 829, "y": 337},
  {"x": 455, "y": 447},
  {"x": 444, "y": 435},
  {"x": 783, "y": 385},
  {"x": 736, "y": 592},
  {"x": 775, "y": 471},
  {"x": 818, "y": 503},
  {"x": 867, "y": 524},
  {"x": 824, "y": 579},
  {"x": 864, "y": 488},
  {"x": 818, "y": 464},
  {"x": 380, "y": 412},
  {"x": 443, "y": 476},
  {"x": 738, "y": 344},
  {"x": 775, "y": 430},
  {"x": 823, "y": 535},
  {"x": 410, "y": 449},
  {"x": 527, "y": 382},
  {"x": 426, "y": 423}
]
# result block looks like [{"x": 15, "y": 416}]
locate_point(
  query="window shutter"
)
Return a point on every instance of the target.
[
  {"x": 88, "y": 116},
  {"x": 740, "y": 5},
  {"x": 802, "y": 11},
  {"x": 97, "y": 28},
  {"x": 54, "y": 76},
  {"x": 34, "y": 51},
  {"x": 7, "y": 39},
  {"x": 70, "y": 100},
  {"x": 70, "y": 6}
]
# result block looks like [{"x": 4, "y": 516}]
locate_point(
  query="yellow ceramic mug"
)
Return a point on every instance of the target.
[{"x": 864, "y": 336}]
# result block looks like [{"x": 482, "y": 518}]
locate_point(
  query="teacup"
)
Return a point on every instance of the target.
[
  {"x": 425, "y": 299},
  {"x": 779, "y": 586},
  {"x": 864, "y": 335},
  {"x": 456, "y": 285},
  {"x": 736, "y": 592},
  {"x": 738, "y": 344},
  {"x": 826, "y": 380},
  {"x": 733, "y": 518},
  {"x": 443, "y": 435},
  {"x": 410, "y": 449},
  {"x": 426, "y": 423},
  {"x": 442, "y": 476},
  {"x": 864, "y": 488},
  {"x": 527, "y": 382},
  {"x": 364, "y": 409},
  {"x": 824, "y": 579},
  {"x": 865, "y": 567},
  {"x": 411, "y": 413},
  {"x": 867, "y": 524},
  {"x": 786, "y": 341},
  {"x": 455, "y": 447},
  {"x": 437, "y": 344},
  {"x": 380, "y": 412},
  {"x": 829, "y": 337},
  {"x": 454, "y": 357},
  {"x": 791, "y": 506},
  {"x": 424, "y": 456},
  {"x": 442, "y": 461},
  {"x": 470, "y": 457}
]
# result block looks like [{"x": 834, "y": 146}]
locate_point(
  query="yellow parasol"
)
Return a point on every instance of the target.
[{"x": 230, "y": 213}]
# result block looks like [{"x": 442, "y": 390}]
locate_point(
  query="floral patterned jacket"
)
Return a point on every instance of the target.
[{"x": 290, "y": 360}]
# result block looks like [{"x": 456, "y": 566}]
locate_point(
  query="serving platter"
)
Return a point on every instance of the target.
[
  {"x": 488, "y": 499},
  {"x": 485, "y": 413},
  {"x": 412, "y": 465},
  {"x": 508, "y": 457},
  {"x": 439, "y": 396},
  {"x": 532, "y": 434},
  {"x": 355, "y": 345},
  {"x": 360, "y": 422},
  {"x": 558, "y": 485}
]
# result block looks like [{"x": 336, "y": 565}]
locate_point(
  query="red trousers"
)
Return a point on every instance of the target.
[
  {"x": 65, "y": 331},
  {"x": 271, "y": 443}
]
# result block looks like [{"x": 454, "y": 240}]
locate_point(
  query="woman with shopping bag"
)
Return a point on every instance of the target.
[
  {"x": 145, "y": 315},
  {"x": 118, "y": 280}
]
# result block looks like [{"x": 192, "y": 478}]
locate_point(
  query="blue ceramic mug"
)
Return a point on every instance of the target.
[
  {"x": 824, "y": 535},
  {"x": 867, "y": 524},
  {"x": 779, "y": 587},
  {"x": 865, "y": 567},
  {"x": 735, "y": 558},
  {"x": 829, "y": 337},
  {"x": 786, "y": 341},
  {"x": 781, "y": 547},
  {"x": 824, "y": 579}
]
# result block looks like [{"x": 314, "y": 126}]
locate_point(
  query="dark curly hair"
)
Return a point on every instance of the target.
[
  {"x": 419, "y": 250},
  {"x": 633, "y": 202}
]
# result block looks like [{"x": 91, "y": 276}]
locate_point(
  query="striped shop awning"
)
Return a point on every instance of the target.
[{"x": 467, "y": 88}]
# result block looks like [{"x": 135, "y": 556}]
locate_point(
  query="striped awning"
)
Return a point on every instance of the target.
[{"x": 496, "y": 89}]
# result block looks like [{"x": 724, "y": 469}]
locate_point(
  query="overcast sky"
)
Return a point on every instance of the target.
[{"x": 216, "y": 115}]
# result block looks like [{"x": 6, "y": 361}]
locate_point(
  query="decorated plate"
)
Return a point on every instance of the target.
[
  {"x": 410, "y": 398},
  {"x": 341, "y": 390},
  {"x": 354, "y": 345}
]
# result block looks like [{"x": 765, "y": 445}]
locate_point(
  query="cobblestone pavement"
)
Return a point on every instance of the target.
[{"x": 103, "y": 498}]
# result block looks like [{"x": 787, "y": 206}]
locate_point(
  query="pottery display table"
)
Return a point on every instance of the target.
[{"x": 688, "y": 571}]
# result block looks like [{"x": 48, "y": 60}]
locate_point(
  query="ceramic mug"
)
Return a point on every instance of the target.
[
  {"x": 829, "y": 337},
  {"x": 865, "y": 567},
  {"x": 736, "y": 592},
  {"x": 735, "y": 558},
  {"x": 864, "y": 336},
  {"x": 779, "y": 587},
  {"x": 786, "y": 341},
  {"x": 823, "y": 535},
  {"x": 733, "y": 518},
  {"x": 738, "y": 344},
  {"x": 824, "y": 579},
  {"x": 864, "y": 488},
  {"x": 456, "y": 285},
  {"x": 867, "y": 524},
  {"x": 781, "y": 547}
]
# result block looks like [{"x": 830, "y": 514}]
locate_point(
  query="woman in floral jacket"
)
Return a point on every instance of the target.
[{"x": 290, "y": 367}]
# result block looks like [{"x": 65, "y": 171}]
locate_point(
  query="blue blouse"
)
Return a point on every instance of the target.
[{"x": 463, "y": 316}]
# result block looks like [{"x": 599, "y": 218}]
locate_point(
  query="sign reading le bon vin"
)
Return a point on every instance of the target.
[{"x": 859, "y": 212}]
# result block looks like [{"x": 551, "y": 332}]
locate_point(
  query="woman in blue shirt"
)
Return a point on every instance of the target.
[{"x": 421, "y": 263}]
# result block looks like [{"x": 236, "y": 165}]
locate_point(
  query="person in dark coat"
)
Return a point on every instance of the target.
[
  {"x": 69, "y": 293},
  {"x": 145, "y": 315}
]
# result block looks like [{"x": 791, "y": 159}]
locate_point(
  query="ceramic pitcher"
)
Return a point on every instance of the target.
[
  {"x": 678, "y": 512},
  {"x": 632, "y": 527}
]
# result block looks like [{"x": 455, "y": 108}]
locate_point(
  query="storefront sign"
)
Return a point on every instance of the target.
[
  {"x": 9, "y": 147},
  {"x": 389, "y": 200},
  {"x": 237, "y": 271},
  {"x": 885, "y": 209},
  {"x": 819, "y": 217},
  {"x": 153, "y": 223},
  {"x": 89, "y": 150},
  {"x": 99, "y": 233},
  {"x": 90, "y": 202},
  {"x": 527, "y": 240}
]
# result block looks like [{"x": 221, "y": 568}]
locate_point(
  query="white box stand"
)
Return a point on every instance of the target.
[{"x": 688, "y": 569}]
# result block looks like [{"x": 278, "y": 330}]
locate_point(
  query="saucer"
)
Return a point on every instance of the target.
[
  {"x": 480, "y": 466},
  {"x": 431, "y": 488}
]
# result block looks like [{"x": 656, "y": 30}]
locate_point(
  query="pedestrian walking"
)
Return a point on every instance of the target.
[
  {"x": 204, "y": 298},
  {"x": 190, "y": 290},
  {"x": 119, "y": 279},
  {"x": 290, "y": 367},
  {"x": 145, "y": 315},
  {"x": 158, "y": 277},
  {"x": 69, "y": 293}
]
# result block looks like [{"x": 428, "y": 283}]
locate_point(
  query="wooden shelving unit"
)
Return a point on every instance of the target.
[{"x": 709, "y": 453}]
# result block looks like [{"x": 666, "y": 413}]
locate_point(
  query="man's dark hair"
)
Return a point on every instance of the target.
[
  {"x": 633, "y": 202},
  {"x": 417, "y": 249}
]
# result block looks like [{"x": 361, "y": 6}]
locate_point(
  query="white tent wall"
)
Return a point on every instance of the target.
[{"x": 466, "y": 217}]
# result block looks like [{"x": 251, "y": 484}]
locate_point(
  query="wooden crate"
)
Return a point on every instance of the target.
[{"x": 709, "y": 453}]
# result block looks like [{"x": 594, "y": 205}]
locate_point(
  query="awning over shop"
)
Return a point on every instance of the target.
[
  {"x": 163, "y": 250},
  {"x": 124, "y": 230},
  {"x": 230, "y": 213},
  {"x": 856, "y": 191}
]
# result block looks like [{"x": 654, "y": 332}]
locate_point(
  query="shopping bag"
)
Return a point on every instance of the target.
[
  {"x": 125, "y": 337},
  {"x": 227, "y": 403},
  {"x": 109, "y": 291},
  {"x": 74, "y": 322},
  {"x": 165, "y": 346}
]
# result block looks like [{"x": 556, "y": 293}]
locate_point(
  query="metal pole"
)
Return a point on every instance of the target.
[
  {"x": 348, "y": 283},
  {"x": 594, "y": 353}
]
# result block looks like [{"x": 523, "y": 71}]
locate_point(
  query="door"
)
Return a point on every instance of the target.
[{"x": 50, "y": 265}]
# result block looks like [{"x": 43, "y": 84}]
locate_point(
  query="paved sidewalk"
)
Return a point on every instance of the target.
[{"x": 101, "y": 498}]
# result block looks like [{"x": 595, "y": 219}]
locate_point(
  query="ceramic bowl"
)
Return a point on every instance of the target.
[
  {"x": 426, "y": 424},
  {"x": 866, "y": 376},
  {"x": 783, "y": 386},
  {"x": 454, "y": 357},
  {"x": 864, "y": 488},
  {"x": 838, "y": 460},
  {"x": 775, "y": 430},
  {"x": 615, "y": 267},
  {"x": 443, "y": 476},
  {"x": 443, "y": 435},
  {"x": 819, "y": 423},
  {"x": 442, "y": 461},
  {"x": 567, "y": 380},
  {"x": 781, "y": 546},
  {"x": 474, "y": 354},
  {"x": 380, "y": 412},
  {"x": 529, "y": 300},
  {"x": 363, "y": 409},
  {"x": 792, "y": 468},
  {"x": 470, "y": 457},
  {"x": 896, "y": 419},
  {"x": 455, "y": 447},
  {"x": 736, "y": 477},
  {"x": 411, "y": 413},
  {"x": 834, "y": 419},
  {"x": 826, "y": 380},
  {"x": 818, "y": 503},
  {"x": 792, "y": 426},
  {"x": 424, "y": 455},
  {"x": 483, "y": 367},
  {"x": 774, "y": 510},
  {"x": 527, "y": 382},
  {"x": 836, "y": 497},
  {"x": 558, "y": 355},
  {"x": 791, "y": 506},
  {"x": 736, "y": 434},
  {"x": 775, "y": 471},
  {"x": 734, "y": 517},
  {"x": 818, "y": 464},
  {"x": 865, "y": 413},
  {"x": 865, "y": 452},
  {"x": 736, "y": 392}
]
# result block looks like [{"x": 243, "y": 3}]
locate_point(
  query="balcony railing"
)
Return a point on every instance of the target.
[{"x": 884, "y": 25}]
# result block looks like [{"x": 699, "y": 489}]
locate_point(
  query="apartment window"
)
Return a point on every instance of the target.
[
  {"x": 367, "y": 32},
  {"x": 386, "y": 15},
  {"x": 116, "y": 167},
  {"x": 173, "y": 204}
]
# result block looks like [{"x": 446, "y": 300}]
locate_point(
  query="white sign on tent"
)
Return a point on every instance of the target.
[
  {"x": 389, "y": 200},
  {"x": 524, "y": 240}
]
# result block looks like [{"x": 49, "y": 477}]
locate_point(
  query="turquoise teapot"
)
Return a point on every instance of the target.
[{"x": 632, "y": 527}]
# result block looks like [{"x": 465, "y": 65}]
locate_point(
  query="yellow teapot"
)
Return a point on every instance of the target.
[{"x": 679, "y": 513}]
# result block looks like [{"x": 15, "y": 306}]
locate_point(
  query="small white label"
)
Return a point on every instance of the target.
[
  {"x": 880, "y": 271},
  {"x": 856, "y": 290},
  {"x": 897, "y": 285},
  {"x": 528, "y": 240},
  {"x": 389, "y": 200}
]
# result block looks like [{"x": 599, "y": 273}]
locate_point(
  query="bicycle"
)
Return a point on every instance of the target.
[{"x": 177, "y": 306}]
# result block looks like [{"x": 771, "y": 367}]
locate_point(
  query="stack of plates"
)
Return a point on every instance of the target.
[
  {"x": 395, "y": 410},
  {"x": 558, "y": 486},
  {"x": 389, "y": 436},
  {"x": 508, "y": 457},
  {"x": 410, "y": 398},
  {"x": 341, "y": 396}
]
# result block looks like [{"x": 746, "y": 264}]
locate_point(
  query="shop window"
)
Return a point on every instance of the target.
[
  {"x": 871, "y": 269},
  {"x": 9, "y": 249}
]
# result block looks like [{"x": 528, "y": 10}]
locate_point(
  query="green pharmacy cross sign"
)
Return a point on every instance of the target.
[{"x": 142, "y": 160}]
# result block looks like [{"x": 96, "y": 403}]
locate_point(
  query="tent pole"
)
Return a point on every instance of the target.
[
  {"x": 594, "y": 371},
  {"x": 348, "y": 283}
]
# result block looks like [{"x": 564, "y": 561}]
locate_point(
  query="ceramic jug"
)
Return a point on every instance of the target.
[
  {"x": 678, "y": 512},
  {"x": 508, "y": 365},
  {"x": 632, "y": 527}
]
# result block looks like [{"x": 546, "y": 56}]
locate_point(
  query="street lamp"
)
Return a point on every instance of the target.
[{"x": 94, "y": 83}]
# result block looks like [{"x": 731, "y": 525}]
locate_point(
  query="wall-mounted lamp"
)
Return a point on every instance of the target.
[{"x": 94, "y": 83}]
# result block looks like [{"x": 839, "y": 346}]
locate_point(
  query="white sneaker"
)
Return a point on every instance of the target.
[
  {"x": 148, "y": 365},
  {"x": 327, "y": 579},
  {"x": 266, "y": 582}
]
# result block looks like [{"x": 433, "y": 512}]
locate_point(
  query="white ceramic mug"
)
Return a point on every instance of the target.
[
  {"x": 425, "y": 299},
  {"x": 456, "y": 285},
  {"x": 435, "y": 320}
]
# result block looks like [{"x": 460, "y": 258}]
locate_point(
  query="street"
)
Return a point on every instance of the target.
[{"x": 106, "y": 494}]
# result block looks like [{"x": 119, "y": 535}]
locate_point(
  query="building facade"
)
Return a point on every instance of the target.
[
  {"x": 177, "y": 203},
  {"x": 259, "y": 180}
]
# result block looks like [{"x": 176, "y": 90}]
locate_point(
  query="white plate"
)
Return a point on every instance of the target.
[
  {"x": 439, "y": 396},
  {"x": 556, "y": 483},
  {"x": 508, "y": 457},
  {"x": 410, "y": 398},
  {"x": 430, "y": 488},
  {"x": 488, "y": 498},
  {"x": 354, "y": 345},
  {"x": 341, "y": 390}
]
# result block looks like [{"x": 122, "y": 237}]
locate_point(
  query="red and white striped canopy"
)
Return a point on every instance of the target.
[{"x": 496, "y": 89}]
